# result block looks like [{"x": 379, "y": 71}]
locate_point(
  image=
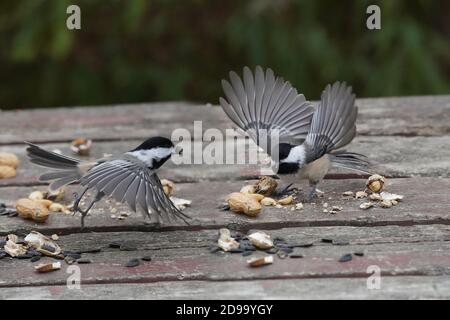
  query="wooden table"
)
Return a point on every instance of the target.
[{"x": 407, "y": 138}]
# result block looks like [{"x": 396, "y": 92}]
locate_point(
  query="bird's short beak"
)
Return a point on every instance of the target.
[{"x": 178, "y": 150}]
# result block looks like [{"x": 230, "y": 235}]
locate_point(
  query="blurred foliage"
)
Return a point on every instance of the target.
[{"x": 137, "y": 50}]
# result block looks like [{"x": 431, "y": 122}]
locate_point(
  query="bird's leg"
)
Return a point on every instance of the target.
[
  {"x": 313, "y": 191},
  {"x": 76, "y": 203},
  {"x": 98, "y": 196}
]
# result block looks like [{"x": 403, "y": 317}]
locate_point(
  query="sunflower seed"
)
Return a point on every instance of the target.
[
  {"x": 146, "y": 258},
  {"x": 358, "y": 253},
  {"x": 327, "y": 240},
  {"x": 114, "y": 245},
  {"x": 73, "y": 255},
  {"x": 304, "y": 245},
  {"x": 346, "y": 257},
  {"x": 340, "y": 242},
  {"x": 286, "y": 250},
  {"x": 35, "y": 259},
  {"x": 84, "y": 261},
  {"x": 132, "y": 263},
  {"x": 295, "y": 255},
  {"x": 236, "y": 250},
  {"x": 93, "y": 250}
]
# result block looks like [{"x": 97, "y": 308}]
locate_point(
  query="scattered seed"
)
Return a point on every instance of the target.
[
  {"x": 260, "y": 261},
  {"x": 272, "y": 250},
  {"x": 93, "y": 250},
  {"x": 146, "y": 258},
  {"x": 127, "y": 247},
  {"x": 236, "y": 250},
  {"x": 327, "y": 240},
  {"x": 73, "y": 255},
  {"x": 114, "y": 245},
  {"x": 35, "y": 259},
  {"x": 346, "y": 257},
  {"x": 340, "y": 242},
  {"x": 358, "y": 253},
  {"x": 132, "y": 263},
  {"x": 304, "y": 245},
  {"x": 295, "y": 255},
  {"x": 286, "y": 250},
  {"x": 47, "y": 267},
  {"x": 84, "y": 261}
]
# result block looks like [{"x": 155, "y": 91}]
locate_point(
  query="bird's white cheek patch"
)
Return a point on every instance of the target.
[{"x": 147, "y": 156}]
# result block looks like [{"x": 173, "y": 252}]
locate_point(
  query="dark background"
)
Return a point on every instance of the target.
[{"x": 137, "y": 50}]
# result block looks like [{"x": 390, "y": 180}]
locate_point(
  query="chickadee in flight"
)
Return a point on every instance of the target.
[
  {"x": 130, "y": 177},
  {"x": 264, "y": 105}
]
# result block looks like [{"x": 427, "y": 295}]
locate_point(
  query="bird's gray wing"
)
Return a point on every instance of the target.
[
  {"x": 264, "y": 105},
  {"x": 133, "y": 183},
  {"x": 333, "y": 124}
]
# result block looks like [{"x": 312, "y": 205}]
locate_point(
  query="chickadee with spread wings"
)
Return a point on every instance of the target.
[
  {"x": 264, "y": 105},
  {"x": 128, "y": 178}
]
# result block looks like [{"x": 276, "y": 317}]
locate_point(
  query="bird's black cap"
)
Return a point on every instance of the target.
[{"x": 154, "y": 142}]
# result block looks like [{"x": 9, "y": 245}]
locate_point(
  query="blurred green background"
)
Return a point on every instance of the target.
[{"x": 137, "y": 50}]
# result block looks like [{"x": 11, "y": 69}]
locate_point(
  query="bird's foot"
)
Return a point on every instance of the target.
[{"x": 286, "y": 191}]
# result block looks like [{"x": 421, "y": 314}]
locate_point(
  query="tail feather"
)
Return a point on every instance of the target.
[
  {"x": 350, "y": 160},
  {"x": 66, "y": 168}
]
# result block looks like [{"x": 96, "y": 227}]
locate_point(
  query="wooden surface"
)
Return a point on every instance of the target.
[{"x": 407, "y": 138}]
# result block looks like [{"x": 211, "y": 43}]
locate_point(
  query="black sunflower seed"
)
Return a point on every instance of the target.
[
  {"x": 25, "y": 256},
  {"x": 132, "y": 263},
  {"x": 114, "y": 245},
  {"x": 49, "y": 248},
  {"x": 146, "y": 258},
  {"x": 295, "y": 255},
  {"x": 84, "y": 261},
  {"x": 287, "y": 250},
  {"x": 127, "y": 247},
  {"x": 340, "y": 242},
  {"x": 73, "y": 255},
  {"x": 214, "y": 249},
  {"x": 304, "y": 244},
  {"x": 35, "y": 259},
  {"x": 358, "y": 253},
  {"x": 236, "y": 250},
  {"x": 327, "y": 240},
  {"x": 92, "y": 250},
  {"x": 346, "y": 257},
  {"x": 272, "y": 250}
]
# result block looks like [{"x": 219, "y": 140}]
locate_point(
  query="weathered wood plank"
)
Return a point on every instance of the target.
[
  {"x": 392, "y": 157},
  {"x": 405, "y": 287},
  {"x": 426, "y": 202},
  {"x": 180, "y": 256},
  {"x": 405, "y": 116}
]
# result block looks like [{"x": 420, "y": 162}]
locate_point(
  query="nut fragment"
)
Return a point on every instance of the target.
[
  {"x": 360, "y": 195},
  {"x": 375, "y": 183},
  {"x": 43, "y": 244},
  {"x": 261, "y": 240},
  {"x": 260, "y": 261},
  {"x": 226, "y": 242},
  {"x": 299, "y": 206},
  {"x": 375, "y": 197},
  {"x": 335, "y": 209},
  {"x": 36, "y": 195},
  {"x": 55, "y": 196},
  {"x": 14, "y": 249},
  {"x": 248, "y": 189},
  {"x": 243, "y": 203},
  {"x": 285, "y": 201},
  {"x": 266, "y": 185},
  {"x": 47, "y": 267},
  {"x": 168, "y": 187},
  {"x": 366, "y": 205},
  {"x": 181, "y": 204},
  {"x": 57, "y": 207},
  {"x": 81, "y": 146},
  {"x": 385, "y": 204},
  {"x": 29, "y": 209},
  {"x": 348, "y": 194},
  {"x": 268, "y": 202},
  {"x": 390, "y": 196},
  {"x": 46, "y": 203},
  {"x": 7, "y": 172},
  {"x": 258, "y": 197},
  {"x": 9, "y": 160}
]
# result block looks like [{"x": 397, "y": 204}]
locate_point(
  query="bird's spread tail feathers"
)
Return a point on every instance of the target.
[
  {"x": 351, "y": 161},
  {"x": 65, "y": 168}
]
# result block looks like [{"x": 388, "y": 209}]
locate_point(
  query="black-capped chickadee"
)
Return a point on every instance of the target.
[
  {"x": 128, "y": 178},
  {"x": 262, "y": 104}
]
